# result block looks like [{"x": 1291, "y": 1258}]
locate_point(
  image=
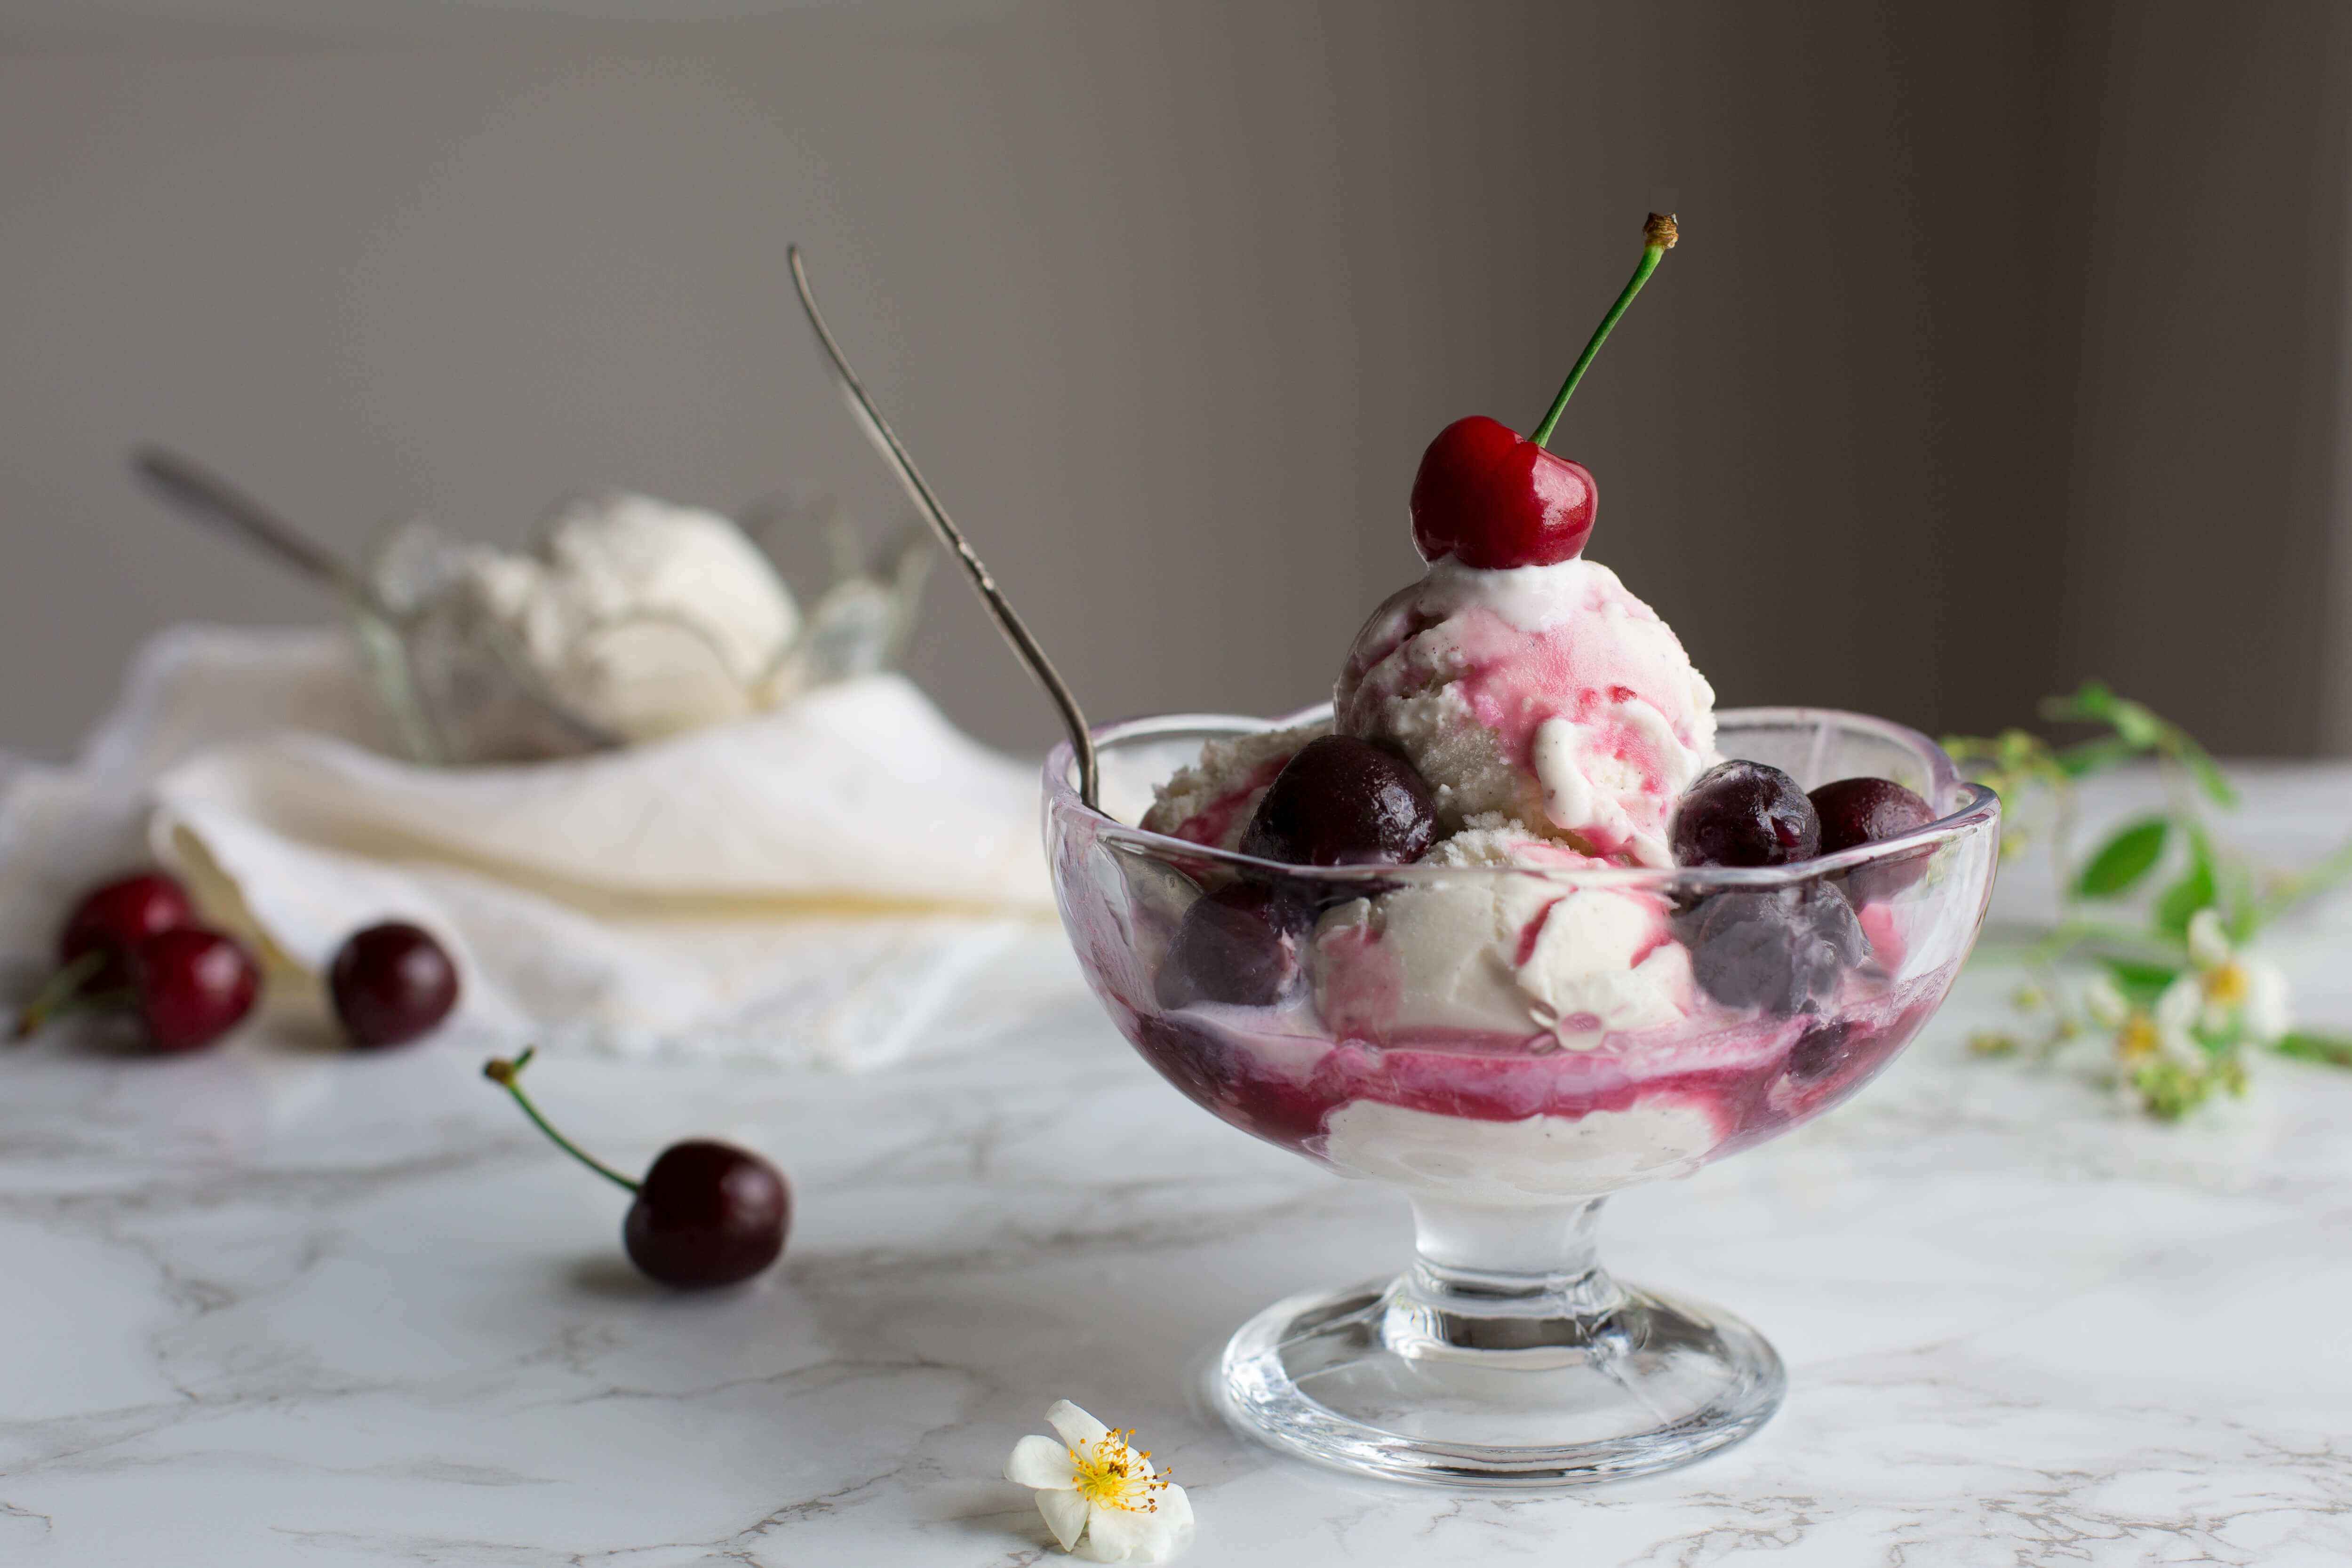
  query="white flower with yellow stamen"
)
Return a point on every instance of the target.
[
  {"x": 2225, "y": 994},
  {"x": 1099, "y": 1492}
]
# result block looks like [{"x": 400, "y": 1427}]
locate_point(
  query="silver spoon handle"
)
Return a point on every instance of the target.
[
  {"x": 191, "y": 487},
  {"x": 886, "y": 441}
]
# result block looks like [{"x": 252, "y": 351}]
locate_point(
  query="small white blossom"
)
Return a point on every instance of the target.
[
  {"x": 2177, "y": 1014},
  {"x": 1099, "y": 1492},
  {"x": 2234, "y": 994},
  {"x": 2208, "y": 946},
  {"x": 2105, "y": 1003}
]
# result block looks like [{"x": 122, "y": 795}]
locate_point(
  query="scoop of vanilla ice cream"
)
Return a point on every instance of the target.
[
  {"x": 1521, "y": 954},
  {"x": 1547, "y": 696},
  {"x": 642, "y": 618}
]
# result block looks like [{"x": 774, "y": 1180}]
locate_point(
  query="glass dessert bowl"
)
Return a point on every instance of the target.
[{"x": 1507, "y": 1043}]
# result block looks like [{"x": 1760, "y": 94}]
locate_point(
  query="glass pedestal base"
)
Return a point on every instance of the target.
[{"x": 1498, "y": 1379}]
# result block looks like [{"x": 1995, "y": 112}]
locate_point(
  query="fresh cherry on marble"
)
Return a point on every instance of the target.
[
  {"x": 1343, "y": 802},
  {"x": 1742, "y": 813},
  {"x": 705, "y": 1214},
  {"x": 1489, "y": 498},
  {"x": 1239, "y": 945},
  {"x": 193, "y": 986},
  {"x": 1781, "y": 949},
  {"x": 391, "y": 983},
  {"x": 113, "y": 919}
]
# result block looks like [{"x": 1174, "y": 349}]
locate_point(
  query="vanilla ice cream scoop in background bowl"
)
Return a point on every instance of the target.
[{"x": 629, "y": 620}]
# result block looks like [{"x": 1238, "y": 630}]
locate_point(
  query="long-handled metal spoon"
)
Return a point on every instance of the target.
[
  {"x": 886, "y": 441},
  {"x": 192, "y": 488}
]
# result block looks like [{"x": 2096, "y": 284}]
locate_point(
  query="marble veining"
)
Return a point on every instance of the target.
[{"x": 278, "y": 1305}]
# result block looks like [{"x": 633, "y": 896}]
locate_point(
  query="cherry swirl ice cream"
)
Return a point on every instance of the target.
[
  {"x": 1592, "y": 954},
  {"x": 1520, "y": 1032},
  {"x": 1545, "y": 695}
]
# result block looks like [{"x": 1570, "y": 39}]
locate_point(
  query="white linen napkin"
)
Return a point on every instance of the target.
[{"x": 818, "y": 883}]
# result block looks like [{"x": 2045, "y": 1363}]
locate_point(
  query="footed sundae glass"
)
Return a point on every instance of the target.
[{"x": 1505, "y": 1356}]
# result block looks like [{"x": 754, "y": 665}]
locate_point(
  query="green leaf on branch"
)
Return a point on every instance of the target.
[
  {"x": 2202, "y": 768},
  {"x": 2141, "y": 982},
  {"x": 2094, "y": 702},
  {"x": 2097, "y": 755},
  {"x": 2197, "y": 889},
  {"x": 2138, "y": 729},
  {"x": 2333, "y": 1049},
  {"x": 2008, "y": 762},
  {"x": 2125, "y": 859}
]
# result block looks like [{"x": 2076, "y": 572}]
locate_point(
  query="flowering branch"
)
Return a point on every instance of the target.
[{"x": 2173, "y": 987}]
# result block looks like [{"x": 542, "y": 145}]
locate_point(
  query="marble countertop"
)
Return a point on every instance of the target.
[{"x": 276, "y": 1304}]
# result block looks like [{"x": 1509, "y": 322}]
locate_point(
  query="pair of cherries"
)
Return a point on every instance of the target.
[
  {"x": 1339, "y": 801},
  {"x": 1784, "y": 948},
  {"x": 1742, "y": 813},
  {"x": 136, "y": 943}
]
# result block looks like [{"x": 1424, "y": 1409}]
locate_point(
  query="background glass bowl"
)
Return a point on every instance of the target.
[{"x": 1506, "y": 1356}]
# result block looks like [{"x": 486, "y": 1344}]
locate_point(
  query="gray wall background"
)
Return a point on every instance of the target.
[{"x": 2005, "y": 344}]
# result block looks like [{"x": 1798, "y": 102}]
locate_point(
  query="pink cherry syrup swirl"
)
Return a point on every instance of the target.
[
  {"x": 1752, "y": 1077},
  {"x": 1605, "y": 662},
  {"x": 1280, "y": 1074}
]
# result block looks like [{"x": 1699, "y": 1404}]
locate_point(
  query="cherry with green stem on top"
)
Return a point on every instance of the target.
[
  {"x": 1489, "y": 498},
  {"x": 705, "y": 1214}
]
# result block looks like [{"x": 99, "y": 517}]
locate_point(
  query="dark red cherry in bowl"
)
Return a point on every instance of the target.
[
  {"x": 1743, "y": 813},
  {"x": 1343, "y": 802},
  {"x": 114, "y": 919},
  {"x": 194, "y": 985},
  {"x": 1488, "y": 497},
  {"x": 1866, "y": 811},
  {"x": 391, "y": 983},
  {"x": 1242, "y": 944},
  {"x": 1856, "y": 811}
]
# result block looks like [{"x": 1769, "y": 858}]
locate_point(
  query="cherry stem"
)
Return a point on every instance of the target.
[
  {"x": 60, "y": 994},
  {"x": 1660, "y": 234},
  {"x": 503, "y": 1074}
]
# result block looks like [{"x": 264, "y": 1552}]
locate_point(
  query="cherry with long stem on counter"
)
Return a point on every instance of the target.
[
  {"x": 705, "y": 1214},
  {"x": 1490, "y": 497}
]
